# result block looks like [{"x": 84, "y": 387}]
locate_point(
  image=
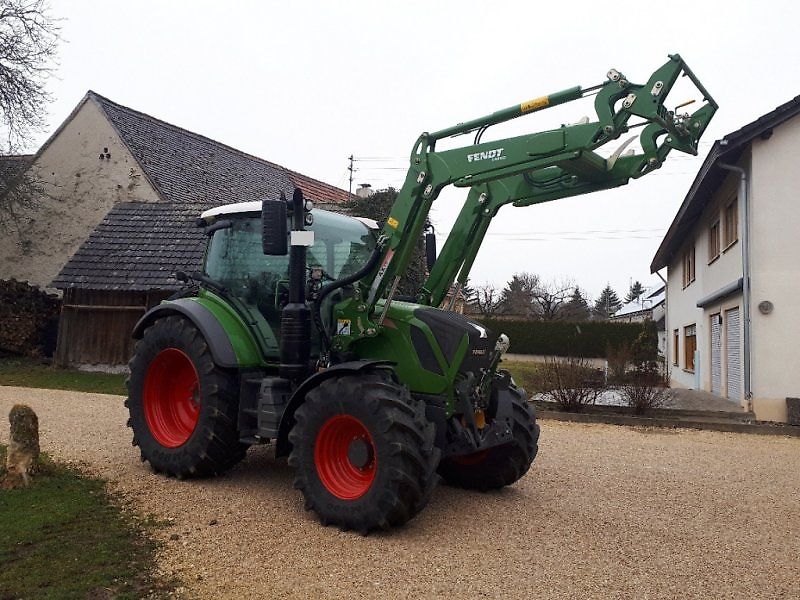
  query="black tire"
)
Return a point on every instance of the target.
[
  {"x": 400, "y": 451},
  {"x": 212, "y": 446},
  {"x": 500, "y": 466}
]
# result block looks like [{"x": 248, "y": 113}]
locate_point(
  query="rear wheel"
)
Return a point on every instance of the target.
[
  {"x": 500, "y": 466},
  {"x": 183, "y": 408},
  {"x": 363, "y": 452}
]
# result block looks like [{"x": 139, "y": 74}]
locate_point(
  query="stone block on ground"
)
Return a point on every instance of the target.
[{"x": 22, "y": 460}]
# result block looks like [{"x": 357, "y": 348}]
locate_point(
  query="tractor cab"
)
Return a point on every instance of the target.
[{"x": 234, "y": 259}]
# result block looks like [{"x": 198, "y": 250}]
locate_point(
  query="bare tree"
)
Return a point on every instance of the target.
[
  {"x": 549, "y": 298},
  {"x": 486, "y": 299},
  {"x": 29, "y": 38}
]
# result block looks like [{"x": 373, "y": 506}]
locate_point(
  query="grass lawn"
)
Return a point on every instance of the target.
[
  {"x": 526, "y": 374},
  {"x": 30, "y": 373},
  {"x": 64, "y": 538}
]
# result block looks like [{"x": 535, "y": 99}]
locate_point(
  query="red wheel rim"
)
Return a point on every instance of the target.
[
  {"x": 171, "y": 398},
  {"x": 341, "y": 439}
]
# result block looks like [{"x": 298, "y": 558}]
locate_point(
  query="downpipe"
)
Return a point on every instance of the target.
[
  {"x": 667, "y": 333},
  {"x": 748, "y": 392}
]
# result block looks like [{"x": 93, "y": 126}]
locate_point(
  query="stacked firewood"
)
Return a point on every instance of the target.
[{"x": 27, "y": 318}]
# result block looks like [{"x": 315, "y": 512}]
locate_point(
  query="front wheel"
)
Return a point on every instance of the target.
[
  {"x": 363, "y": 452},
  {"x": 499, "y": 466},
  {"x": 183, "y": 408}
]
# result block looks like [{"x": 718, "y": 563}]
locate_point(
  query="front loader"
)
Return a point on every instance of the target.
[{"x": 293, "y": 332}]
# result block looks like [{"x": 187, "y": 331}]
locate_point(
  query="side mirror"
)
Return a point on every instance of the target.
[{"x": 274, "y": 228}]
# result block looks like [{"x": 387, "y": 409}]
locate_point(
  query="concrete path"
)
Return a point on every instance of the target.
[{"x": 699, "y": 400}]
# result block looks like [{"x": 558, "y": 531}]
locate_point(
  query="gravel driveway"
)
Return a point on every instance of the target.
[{"x": 605, "y": 512}]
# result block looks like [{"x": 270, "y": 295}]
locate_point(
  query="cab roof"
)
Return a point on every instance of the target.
[{"x": 255, "y": 207}]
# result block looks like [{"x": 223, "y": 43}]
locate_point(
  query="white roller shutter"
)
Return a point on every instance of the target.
[
  {"x": 733, "y": 355},
  {"x": 716, "y": 354}
]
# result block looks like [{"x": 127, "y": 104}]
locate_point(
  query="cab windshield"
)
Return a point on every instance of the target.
[{"x": 234, "y": 258}]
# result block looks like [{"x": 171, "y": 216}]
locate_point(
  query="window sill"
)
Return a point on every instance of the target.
[
  {"x": 688, "y": 371},
  {"x": 729, "y": 246},
  {"x": 715, "y": 259}
]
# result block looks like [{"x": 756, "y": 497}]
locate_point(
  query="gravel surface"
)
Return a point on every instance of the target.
[{"x": 605, "y": 512}]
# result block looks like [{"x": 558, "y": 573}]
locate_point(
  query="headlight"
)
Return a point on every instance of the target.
[{"x": 503, "y": 344}]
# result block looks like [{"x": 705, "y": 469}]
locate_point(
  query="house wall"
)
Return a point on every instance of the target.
[
  {"x": 78, "y": 190},
  {"x": 709, "y": 277},
  {"x": 775, "y": 267}
]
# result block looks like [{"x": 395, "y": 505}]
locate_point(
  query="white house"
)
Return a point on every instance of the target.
[{"x": 733, "y": 259}]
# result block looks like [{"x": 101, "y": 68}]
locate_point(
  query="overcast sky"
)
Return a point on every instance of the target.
[{"x": 306, "y": 84}]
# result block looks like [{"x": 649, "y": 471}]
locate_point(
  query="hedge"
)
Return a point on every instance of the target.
[{"x": 588, "y": 339}]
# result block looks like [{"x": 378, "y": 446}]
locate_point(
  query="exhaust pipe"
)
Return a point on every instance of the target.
[{"x": 296, "y": 316}]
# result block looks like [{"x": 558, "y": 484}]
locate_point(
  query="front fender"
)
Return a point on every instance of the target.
[
  {"x": 228, "y": 338},
  {"x": 282, "y": 446}
]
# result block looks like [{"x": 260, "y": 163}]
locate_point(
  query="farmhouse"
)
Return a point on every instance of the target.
[
  {"x": 114, "y": 219},
  {"x": 733, "y": 293}
]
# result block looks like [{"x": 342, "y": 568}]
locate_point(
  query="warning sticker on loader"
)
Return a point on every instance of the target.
[
  {"x": 530, "y": 105},
  {"x": 343, "y": 327}
]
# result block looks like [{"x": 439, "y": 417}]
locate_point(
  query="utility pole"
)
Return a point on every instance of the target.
[{"x": 352, "y": 170}]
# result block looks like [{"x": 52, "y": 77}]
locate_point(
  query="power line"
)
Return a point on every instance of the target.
[
  {"x": 603, "y": 231},
  {"x": 380, "y": 158},
  {"x": 591, "y": 238}
]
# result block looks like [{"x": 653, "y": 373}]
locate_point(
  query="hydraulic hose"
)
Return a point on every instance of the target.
[{"x": 327, "y": 290}]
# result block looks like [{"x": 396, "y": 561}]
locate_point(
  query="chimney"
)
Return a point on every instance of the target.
[{"x": 364, "y": 190}]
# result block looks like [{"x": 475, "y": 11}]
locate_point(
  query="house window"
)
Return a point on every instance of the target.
[
  {"x": 713, "y": 242},
  {"x": 688, "y": 266},
  {"x": 689, "y": 346},
  {"x": 675, "y": 340},
  {"x": 731, "y": 222}
]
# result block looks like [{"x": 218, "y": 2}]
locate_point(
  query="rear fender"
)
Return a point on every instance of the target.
[
  {"x": 231, "y": 343},
  {"x": 283, "y": 447}
]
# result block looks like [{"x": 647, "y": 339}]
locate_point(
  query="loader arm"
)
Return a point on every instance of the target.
[{"x": 523, "y": 170}]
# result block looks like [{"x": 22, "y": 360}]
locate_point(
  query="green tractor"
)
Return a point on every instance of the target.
[{"x": 294, "y": 333}]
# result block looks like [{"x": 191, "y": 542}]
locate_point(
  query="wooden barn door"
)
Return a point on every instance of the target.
[{"x": 95, "y": 326}]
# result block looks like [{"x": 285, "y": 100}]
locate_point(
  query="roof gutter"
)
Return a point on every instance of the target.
[{"x": 748, "y": 392}]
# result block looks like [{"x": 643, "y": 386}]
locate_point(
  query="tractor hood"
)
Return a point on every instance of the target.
[
  {"x": 449, "y": 328},
  {"x": 442, "y": 341}
]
